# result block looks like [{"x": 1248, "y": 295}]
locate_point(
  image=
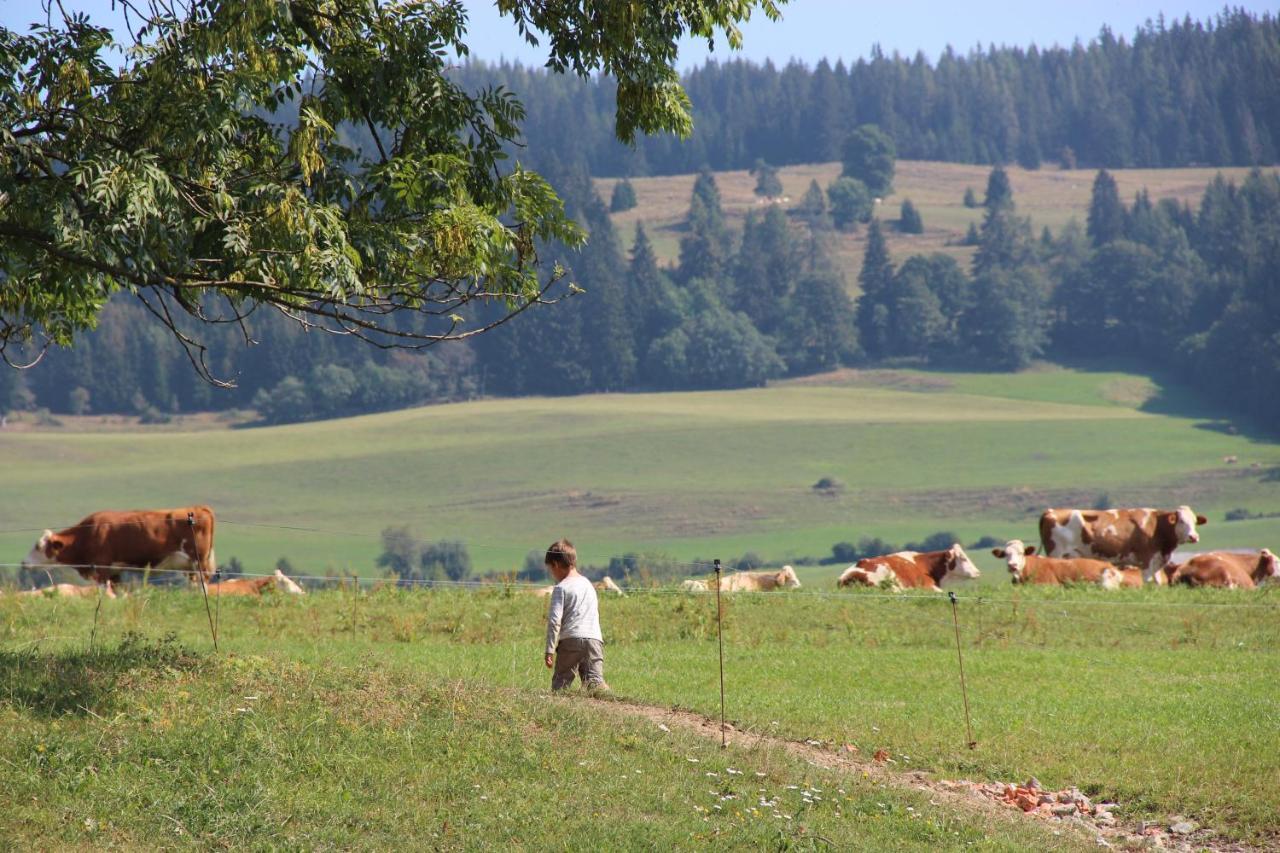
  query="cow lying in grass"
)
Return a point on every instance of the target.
[
  {"x": 1027, "y": 567},
  {"x": 256, "y": 586},
  {"x": 1114, "y": 577},
  {"x": 747, "y": 582},
  {"x": 1227, "y": 570},
  {"x": 72, "y": 590},
  {"x": 605, "y": 584},
  {"x": 911, "y": 570}
]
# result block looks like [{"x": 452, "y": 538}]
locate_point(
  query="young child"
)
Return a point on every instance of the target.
[{"x": 574, "y": 641}]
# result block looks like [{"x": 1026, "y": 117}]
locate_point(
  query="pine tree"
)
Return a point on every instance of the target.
[
  {"x": 1106, "y": 211},
  {"x": 652, "y": 302},
  {"x": 623, "y": 198},
  {"x": 909, "y": 221},
  {"x": 970, "y": 200},
  {"x": 765, "y": 269},
  {"x": 999, "y": 190},
  {"x": 813, "y": 206},
  {"x": 705, "y": 246},
  {"x": 768, "y": 184},
  {"x": 607, "y": 326},
  {"x": 876, "y": 282}
]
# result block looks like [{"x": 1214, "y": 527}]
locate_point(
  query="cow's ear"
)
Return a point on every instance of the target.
[
  {"x": 1030, "y": 551},
  {"x": 1200, "y": 519},
  {"x": 54, "y": 546},
  {"x": 998, "y": 552}
]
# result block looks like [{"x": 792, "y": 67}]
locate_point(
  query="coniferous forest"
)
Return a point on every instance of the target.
[
  {"x": 1173, "y": 94},
  {"x": 1195, "y": 290}
]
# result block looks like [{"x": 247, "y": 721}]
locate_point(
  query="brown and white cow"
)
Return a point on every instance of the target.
[
  {"x": 1028, "y": 567},
  {"x": 607, "y": 584},
  {"x": 105, "y": 543},
  {"x": 1228, "y": 570},
  {"x": 909, "y": 569},
  {"x": 1142, "y": 537},
  {"x": 757, "y": 581},
  {"x": 1117, "y": 577},
  {"x": 71, "y": 590},
  {"x": 256, "y": 586}
]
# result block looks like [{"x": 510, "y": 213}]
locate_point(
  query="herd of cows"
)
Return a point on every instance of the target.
[{"x": 1111, "y": 548}]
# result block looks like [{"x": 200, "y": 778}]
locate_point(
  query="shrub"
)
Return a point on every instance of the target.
[
  {"x": 851, "y": 202},
  {"x": 152, "y": 415},
  {"x": 829, "y": 485},
  {"x": 940, "y": 541}
]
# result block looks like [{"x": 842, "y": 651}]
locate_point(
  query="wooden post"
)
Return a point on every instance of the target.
[{"x": 724, "y": 743}]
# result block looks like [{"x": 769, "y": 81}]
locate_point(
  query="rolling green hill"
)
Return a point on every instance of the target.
[{"x": 684, "y": 474}]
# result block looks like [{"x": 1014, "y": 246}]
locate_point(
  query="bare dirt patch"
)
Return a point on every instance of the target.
[{"x": 1067, "y": 809}]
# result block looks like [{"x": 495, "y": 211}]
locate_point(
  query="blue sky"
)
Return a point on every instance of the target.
[{"x": 813, "y": 29}]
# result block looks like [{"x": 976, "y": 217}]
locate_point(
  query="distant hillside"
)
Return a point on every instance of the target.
[{"x": 1050, "y": 196}]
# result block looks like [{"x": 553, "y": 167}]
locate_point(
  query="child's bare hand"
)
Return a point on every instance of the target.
[{"x": 550, "y": 661}]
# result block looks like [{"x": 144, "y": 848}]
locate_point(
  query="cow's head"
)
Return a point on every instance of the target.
[
  {"x": 959, "y": 566},
  {"x": 1184, "y": 522},
  {"x": 787, "y": 577},
  {"x": 45, "y": 552},
  {"x": 284, "y": 583},
  {"x": 1015, "y": 553},
  {"x": 1268, "y": 567}
]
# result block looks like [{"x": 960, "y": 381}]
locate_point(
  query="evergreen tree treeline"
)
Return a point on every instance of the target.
[
  {"x": 1173, "y": 94},
  {"x": 1196, "y": 293},
  {"x": 1163, "y": 284}
]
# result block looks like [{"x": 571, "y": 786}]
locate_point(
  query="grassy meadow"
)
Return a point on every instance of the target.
[
  {"x": 343, "y": 721},
  {"x": 1052, "y": 197},
  {"x": 706, "y": 474}
]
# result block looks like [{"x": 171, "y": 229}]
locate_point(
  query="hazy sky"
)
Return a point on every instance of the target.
[{"x": 812, "y": 29}]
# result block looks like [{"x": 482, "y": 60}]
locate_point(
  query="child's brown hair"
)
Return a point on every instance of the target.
[{"x": 562, "y": 553}]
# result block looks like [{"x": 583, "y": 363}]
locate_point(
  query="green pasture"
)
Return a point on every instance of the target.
[
  {"x": 321, "y": 712},
  {"x": 687, "y": 475}
]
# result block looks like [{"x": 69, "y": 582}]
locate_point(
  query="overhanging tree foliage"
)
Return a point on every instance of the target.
[{"x": 175, "y": 178}]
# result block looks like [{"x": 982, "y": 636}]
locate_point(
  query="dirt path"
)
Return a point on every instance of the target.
[{"x": 1093, "y": 822}]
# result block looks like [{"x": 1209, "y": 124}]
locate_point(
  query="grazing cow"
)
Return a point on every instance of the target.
[
  {"x": 1027, "y": 567},
  {"x": 909, "y": 569},
  {"x": 1224, "y": 569},
  {"x": 695, "y": 585},
  {"x": 105, "y": 543},
  {"x": 71, "y": 590},
  {"x": 256, "y": 586},
  {"x": 1142, "y": 537},
  {"x": 1114, "y": 578},
  {"x": 757, "y": 581}
]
